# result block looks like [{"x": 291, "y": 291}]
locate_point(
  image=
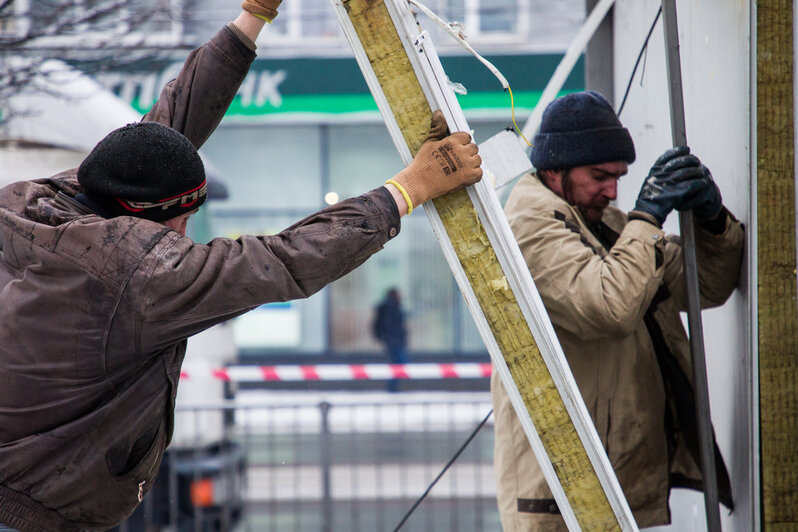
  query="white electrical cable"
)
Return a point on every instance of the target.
[{"x": 456, "y": 31}]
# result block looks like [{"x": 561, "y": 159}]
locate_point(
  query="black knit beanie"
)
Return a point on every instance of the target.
[
  {"x": 146, "y": 170},
  {"x": 580, "y": 129}
]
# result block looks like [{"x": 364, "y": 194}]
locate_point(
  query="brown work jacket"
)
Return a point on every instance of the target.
[
  {"x": 614, "y": 294},
  {"x": 95, "y": 314}
]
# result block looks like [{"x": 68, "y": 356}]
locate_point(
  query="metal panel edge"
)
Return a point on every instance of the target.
[{"x": 756, "y": 488}]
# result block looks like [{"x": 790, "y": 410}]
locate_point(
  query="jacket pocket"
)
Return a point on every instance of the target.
[
  {"x": 122, "y": 458},
  {"x": 135, "y": 479}
]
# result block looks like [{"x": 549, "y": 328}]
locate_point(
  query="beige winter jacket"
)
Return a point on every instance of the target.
[{"x": 615, "y": 309}]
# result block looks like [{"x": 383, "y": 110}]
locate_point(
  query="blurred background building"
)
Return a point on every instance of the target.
[
  {"x": 302, "y": 133},
  {"x": 305, "y": 132}
]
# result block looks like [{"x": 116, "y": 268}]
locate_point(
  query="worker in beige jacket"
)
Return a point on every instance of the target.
[{"x": 612, "y": 284}]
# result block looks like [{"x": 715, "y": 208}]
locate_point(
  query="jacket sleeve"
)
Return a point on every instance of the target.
[
  {"x": 193, "y": 286},
  {"x": 719, "y": 260},
  {"x": 591, "y": 295},
  {"x": 195, "y": 102}
]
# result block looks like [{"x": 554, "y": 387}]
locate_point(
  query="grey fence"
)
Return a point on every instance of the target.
[{"x": 326, "y": 463}]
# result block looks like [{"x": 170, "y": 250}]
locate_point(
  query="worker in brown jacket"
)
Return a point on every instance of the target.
[
  {"x": 613, "y": 287},
  {"x": 100, "y": 288}
]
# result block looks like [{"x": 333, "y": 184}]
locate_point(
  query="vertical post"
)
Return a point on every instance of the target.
[
  {"x": 452, "y": 430},
  {"x": 686, "y": 223},
  {"x": 296, "y": 437},
  {"x": 380, "y": 504},
  {"x": 600, "y": 55},
  {"x": 172, "y": 486},
  {"x": 196, "y": 509},
  {"x": 326, "y": 465},
  {"x": 326, "y": 186},
  {"x": 247, "y": 450},
  {"x": 427, "y": 445},
  {"x": 457, "y": 325},
  {"x": 354, "y": 460},
  {"x": 273, "y": 465}
]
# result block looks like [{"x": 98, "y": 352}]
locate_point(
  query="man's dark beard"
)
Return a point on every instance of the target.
[
  {"x": 567, "y": 186},
  {"x": 567, "y": 190}
]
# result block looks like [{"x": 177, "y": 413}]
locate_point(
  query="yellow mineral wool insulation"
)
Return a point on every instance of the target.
[
  {"x": 777, "y": 312},
  {"x": 394, "y": 72}
]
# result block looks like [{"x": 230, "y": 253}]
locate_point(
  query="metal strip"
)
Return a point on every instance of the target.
[
  {"x": 516, "y": 278},
  {"x": 753, "y": 287},
  {"x": 686, "y": 222}
]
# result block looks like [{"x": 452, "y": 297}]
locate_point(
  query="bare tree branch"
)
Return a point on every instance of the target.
[{"x": 97, "y": 35}]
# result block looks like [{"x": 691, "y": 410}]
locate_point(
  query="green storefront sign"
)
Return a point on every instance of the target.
[{"x": 335, "y": 86}]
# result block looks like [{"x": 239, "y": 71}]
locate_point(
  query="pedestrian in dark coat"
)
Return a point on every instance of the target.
[{"x": 390, "y": 329}]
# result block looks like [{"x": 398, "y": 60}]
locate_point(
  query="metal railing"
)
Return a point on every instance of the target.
[{"x": 325, "y": 463}]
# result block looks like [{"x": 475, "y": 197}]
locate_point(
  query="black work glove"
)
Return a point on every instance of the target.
[
  {"x": 706, "y": 201},
  {"x": 675, "y": 177}
]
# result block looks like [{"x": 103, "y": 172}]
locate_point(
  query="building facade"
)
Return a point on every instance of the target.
[{"x": 304, "y": 132}]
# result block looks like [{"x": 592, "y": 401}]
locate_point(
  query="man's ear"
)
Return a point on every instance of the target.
[{"x": 552, "y": 179}]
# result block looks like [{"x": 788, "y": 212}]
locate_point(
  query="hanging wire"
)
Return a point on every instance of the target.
[
  {"x": 512, "y": 113},
  {"x": 457, "y": 32},
  {"x": 445, "y": 468},
  {"x": 639, "y": 56}
]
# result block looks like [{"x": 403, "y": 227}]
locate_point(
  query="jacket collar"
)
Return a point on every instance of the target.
[{"x": 80, "y": 204}]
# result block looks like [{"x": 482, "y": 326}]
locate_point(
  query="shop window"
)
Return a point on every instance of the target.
[
  {"x": 482, "y": 17},
  {"x": 156, "y": 17},
  {"x": 12, "y": 22}
]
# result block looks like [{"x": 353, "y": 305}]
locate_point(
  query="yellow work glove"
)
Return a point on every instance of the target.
[
  {"x": 442, "y": 164},
  {"x": 263, "y": 9}
]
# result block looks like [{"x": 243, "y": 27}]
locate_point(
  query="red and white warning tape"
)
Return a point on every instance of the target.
[{"x": 345, "y": 372}]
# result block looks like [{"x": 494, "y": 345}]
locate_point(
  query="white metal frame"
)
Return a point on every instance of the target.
[
  {"x": 753, "y": 285},
  {"x": 795, "y": 103},
  {"x": 433, "y": 81}
]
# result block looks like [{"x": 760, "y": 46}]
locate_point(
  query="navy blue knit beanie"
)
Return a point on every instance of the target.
[
  {"x": 146, "y": 170},
  {"x": 580, "y": 129}
]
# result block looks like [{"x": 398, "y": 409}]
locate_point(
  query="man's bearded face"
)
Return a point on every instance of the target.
[{"x": 591, "y": 188}]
